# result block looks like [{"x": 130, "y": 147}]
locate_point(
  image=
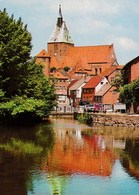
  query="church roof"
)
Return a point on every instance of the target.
[
  {"x": 86, "y": 56},
  {"x": 59, "y": 75},
  {"x": 94, "y": 54},
  {"x": 42, "y": 54},
  {"x": 54, "y": 62},
  {"x": 60, "y": 33},
  {"x": 111, "y": 69}
]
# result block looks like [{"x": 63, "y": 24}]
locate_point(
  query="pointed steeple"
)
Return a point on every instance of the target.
[
  {"x": 60, "y": 12},
  {"x": 61, "y": 33},
  {"x": 60, "y": 18}
]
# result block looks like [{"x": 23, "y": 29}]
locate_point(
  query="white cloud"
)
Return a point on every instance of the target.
[{"x": 127, "y": 43}]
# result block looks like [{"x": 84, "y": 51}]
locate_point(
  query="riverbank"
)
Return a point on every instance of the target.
[
  {"x": 109, "y": 119},
  {"x": 116, "y": 119}
]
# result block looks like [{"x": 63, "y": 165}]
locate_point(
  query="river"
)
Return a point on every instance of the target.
[{"x": 64, "y": 157}]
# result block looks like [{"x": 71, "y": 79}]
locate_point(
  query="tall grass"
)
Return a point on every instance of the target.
[{"x": 18, "y": 146}]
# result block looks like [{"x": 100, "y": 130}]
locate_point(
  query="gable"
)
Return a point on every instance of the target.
[
  {"x": 93, "y": 82},
  {"x": 43, "y": 54}
]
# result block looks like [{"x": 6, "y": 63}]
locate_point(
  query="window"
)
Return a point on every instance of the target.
[
  {"x": 43, "y": 59},
  {"x": 95, "y": 71},
  {"x": 91, "y": 90},
  {"x": 98, "y": 99}
]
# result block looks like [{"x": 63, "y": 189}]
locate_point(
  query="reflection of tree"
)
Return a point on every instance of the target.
[
  {"x": 57, "y": 183},
  {"x": 131, "y": 157},
  {"x": 16, "y": 167}
]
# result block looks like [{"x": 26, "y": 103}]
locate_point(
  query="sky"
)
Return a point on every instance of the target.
[{"x": 90, "y": 22}]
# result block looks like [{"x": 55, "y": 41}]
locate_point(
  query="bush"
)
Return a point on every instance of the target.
[{"x": 85, "y": 118}]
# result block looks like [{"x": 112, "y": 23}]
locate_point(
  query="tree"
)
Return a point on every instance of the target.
[
  {"x": 25, "y": 92},
  {"x": 117, "y": 82},
  {"x": 15, "y": 48},
  {"x": 126, "y": 95},
  {"x": 66, "y": 68},
  {"x": 129, "y": 94},
  {"x": 52, "y": 69}
]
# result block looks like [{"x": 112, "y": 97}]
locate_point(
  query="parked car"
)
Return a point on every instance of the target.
[
  {"x": 89, "y": 108},
  {"x": 98, "y": 108},
  {"x": 93, "y": 108}
]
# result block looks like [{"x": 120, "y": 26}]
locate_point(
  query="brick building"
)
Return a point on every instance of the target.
[{"x": 131, "y": 70}]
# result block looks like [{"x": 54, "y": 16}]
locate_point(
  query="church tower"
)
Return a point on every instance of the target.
[{"x": 60, "y": 39}]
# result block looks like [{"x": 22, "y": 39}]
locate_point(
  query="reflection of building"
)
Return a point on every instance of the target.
[
  {"x": 119, "y": 144},
  {"x": 76, "y": 153}
]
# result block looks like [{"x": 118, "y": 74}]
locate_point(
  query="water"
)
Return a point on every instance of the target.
[{"x": 64, "y": 157}]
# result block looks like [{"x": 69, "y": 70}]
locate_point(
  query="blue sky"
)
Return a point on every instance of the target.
[{"x": 90, "y": 22}]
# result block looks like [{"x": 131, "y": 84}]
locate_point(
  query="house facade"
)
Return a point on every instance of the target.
[
  {"x": 106, "y": 96},
  {"x": 92, "y": 87},
  {"x": 76, "y": 91},
  {"x": 131, "y": 70}
]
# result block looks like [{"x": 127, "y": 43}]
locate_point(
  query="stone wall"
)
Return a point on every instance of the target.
[{"x": 111, "y": 119}]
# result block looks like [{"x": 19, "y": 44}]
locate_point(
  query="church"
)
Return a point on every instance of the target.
[{"x": 79, "y": 60}]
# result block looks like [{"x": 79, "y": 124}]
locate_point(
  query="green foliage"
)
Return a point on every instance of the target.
[
  {"x": 15, "y": 48},
  {"x": 66, "y": 68},
  {"x": 52, "y": 69},
  {"x": 130, "y": 92},
  {"x": 1, "y": 95},
  {"x": 18, "y": 146},
  {"x": 117, "y": 82},
  {"x": 24, "y": 91},
  {"x": 126, "y": 95},
  {"x": 85, "y": 118}
]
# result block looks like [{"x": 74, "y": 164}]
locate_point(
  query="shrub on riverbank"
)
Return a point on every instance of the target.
[{"x": 85, "y": 118}]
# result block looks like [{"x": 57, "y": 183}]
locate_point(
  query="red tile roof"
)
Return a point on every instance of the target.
[
  {"x": 85, "y": 56},
  {"x": 72, "y": 83},
  {"x": 42, "y": 54},
  {"x": 59, "y": 75},
  {"x": 93, "y": 82},
  {"x": 93, "y": 54},
  {"x": 54, "y": 62},
  {"x": 110, "y": 70}
]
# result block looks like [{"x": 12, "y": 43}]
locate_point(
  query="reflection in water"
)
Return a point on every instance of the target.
[
  {"x": 18, "y": 160},
  {"x": 131, "y": 157},
  {"x": 72, "y": 159}
]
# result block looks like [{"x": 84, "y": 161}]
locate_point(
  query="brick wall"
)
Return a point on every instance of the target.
[{"x": 58, "y": 49}]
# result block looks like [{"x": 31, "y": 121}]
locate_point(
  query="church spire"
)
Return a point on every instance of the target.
[
  {"x": 60, "y": 18},
  {"x": 60, "y": 33},
  {"x": 60, "y": 12}
]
